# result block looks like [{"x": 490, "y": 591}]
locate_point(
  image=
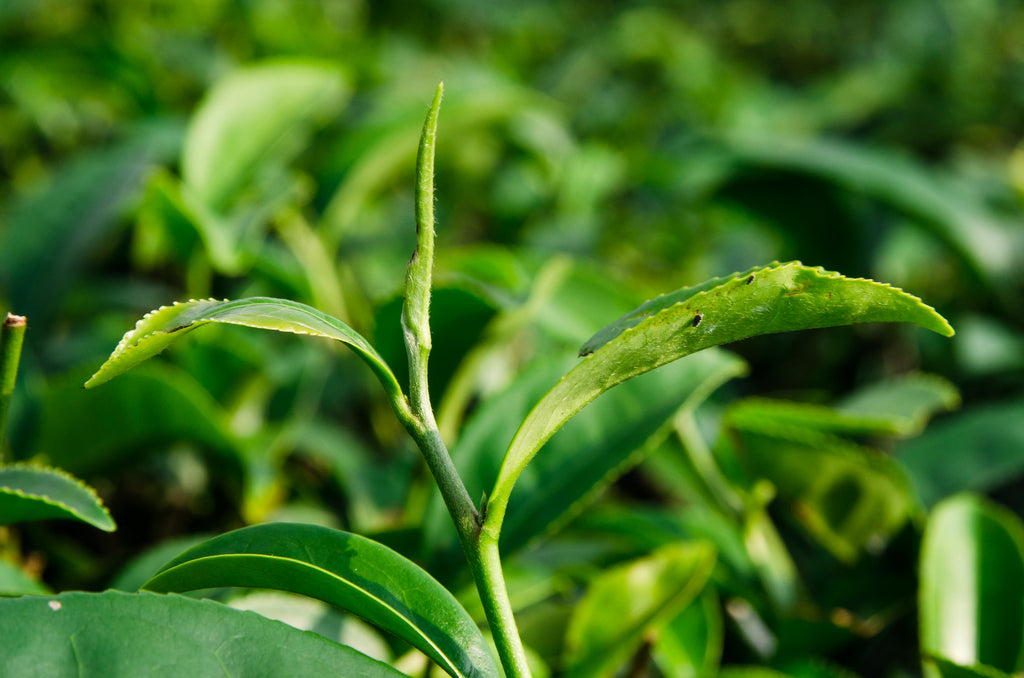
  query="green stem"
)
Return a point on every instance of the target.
[
  {"x": 12, "y": 332},
  {"x": 418, "y": 417}
]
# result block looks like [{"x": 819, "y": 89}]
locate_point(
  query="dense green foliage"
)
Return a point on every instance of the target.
[{"x": 780, "y": 506}]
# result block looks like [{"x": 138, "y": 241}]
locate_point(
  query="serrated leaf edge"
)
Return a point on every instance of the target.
[{"x": 66, "y": 476}]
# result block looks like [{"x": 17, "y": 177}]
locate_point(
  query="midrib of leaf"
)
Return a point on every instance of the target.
[{"x": 772, "y": 299}]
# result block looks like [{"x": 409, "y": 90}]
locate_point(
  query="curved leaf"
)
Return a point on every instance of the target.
[
  {"x": 777, "y": 298},
  {"x": 159, "y": 328},
  {"x": 143, "y": 634},
  {"x": 345, "y": 570},
  {"x": 35, "y": 493},
  {"x": 690, "y": 646},
  {"x": 250, "y": 115},
  {"x": 625, "y": 603},
  {"x": 972, "y": 585}
]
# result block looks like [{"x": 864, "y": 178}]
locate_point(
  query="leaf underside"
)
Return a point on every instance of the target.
[
  {"x": 348, "y": 571},
  {"x": 766, "y": 300},
  {"x": 159, "y": 328},
  {"x": 36, "y": 493}
]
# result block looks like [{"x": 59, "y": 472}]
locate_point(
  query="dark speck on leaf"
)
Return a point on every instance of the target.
[
  {"x": 750, "y": 280},
  {"x": 696, "y": 319}
]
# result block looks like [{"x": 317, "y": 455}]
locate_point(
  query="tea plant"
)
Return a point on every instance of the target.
[{"x": 629, "y": 613}]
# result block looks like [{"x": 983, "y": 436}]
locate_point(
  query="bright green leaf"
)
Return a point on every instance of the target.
[
  {"x": 252, "y": 115},
  {"x": 122, "y": 634},
  {"x": 972, "y": 585},
  {"x": 159, "y": 328},
  {"x": 625, "y": 603},
  {"x": 777, "y": 298},
  {"x": 36, "y": 493},
  {"x": 690, "y": 646},
  {"x": 345, "y": 570}
]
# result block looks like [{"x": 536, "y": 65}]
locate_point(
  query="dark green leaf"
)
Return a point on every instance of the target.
[
  {"x": 122, "y": 634},
  {"x": 36, "y": 493},
  {"x": 972, "y": 584},
  {"x": 345, "y": 570},
  {"x": 943, "y": 668},
  {"x": 979, "y": 449}
]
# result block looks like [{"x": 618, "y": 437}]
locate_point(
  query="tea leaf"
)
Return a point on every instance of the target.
[
  {"x": 143, "y": 634},
  {"x": 347, "y": 571},
  {"x": 776, "y": 298},
  {"x": 159, "y": 328},
  {"x": 36, "y": 493},
  {"x": 972, "y": 585},
  {"x": 625, "y": 603},
  {"x": 251, "y": 115}
]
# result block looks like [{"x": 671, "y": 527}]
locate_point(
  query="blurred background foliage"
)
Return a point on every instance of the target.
[{"x": 590, "y": 155}]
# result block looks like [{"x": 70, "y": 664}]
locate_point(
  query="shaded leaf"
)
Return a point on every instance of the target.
[
  {"x": 979, "y": 449},
  {"x": 151, "y": 635},
  {"x": 36, "y": 493},
  {"x": 947, "y": 669},
  {"x": 972, "y": 585},
  {"x": 345, "y": 570},
  {"x": 906, "y": 402},
  {"x": 159, "y": 328},
  {"x": 153, "y": 406},
  {"x": 625, "y": 603},
  {"x": 849, "y": 497},
  {"x": 760, "y": 301}
]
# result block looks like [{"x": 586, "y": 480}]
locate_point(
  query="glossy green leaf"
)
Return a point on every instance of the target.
[
  {"x": 627, "y": 602},
  {"x": 971, "y": 603},
  {"x": 815, "y": 668},
  {"x": 345, "y": 570},
  {"x": 690, "y": 646},
  {"x": 144, "y": 634},
  {"x": 979, "y": 449},
  {"x": 759, "y": 301},
  {"x": 37, "y": 493},
  {"x": 849, "y": 497},
  {"x": 159, "y": 328},
  {"x": 252, "y": 115},
  {"x": 750, "y": 672},
  {"x": 943, "y": 668}
]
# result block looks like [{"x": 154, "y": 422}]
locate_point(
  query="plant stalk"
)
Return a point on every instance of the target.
[
  {"x": 418, "y": 417},
  {"x": 12, "y": 333}
]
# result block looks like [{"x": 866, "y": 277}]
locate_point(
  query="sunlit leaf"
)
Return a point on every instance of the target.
[
  {"x": 159, "y": 328},
  {"x": 628, "y": 601},
  {"x": 972, "y": 585},
  {"x": 946, "y": 669},
  {"x": 122, "y": 634},
  {"x": 759, "y": 301},
  {"x": 345, "y": 570},
  {"x": 37, "y": 493}
]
